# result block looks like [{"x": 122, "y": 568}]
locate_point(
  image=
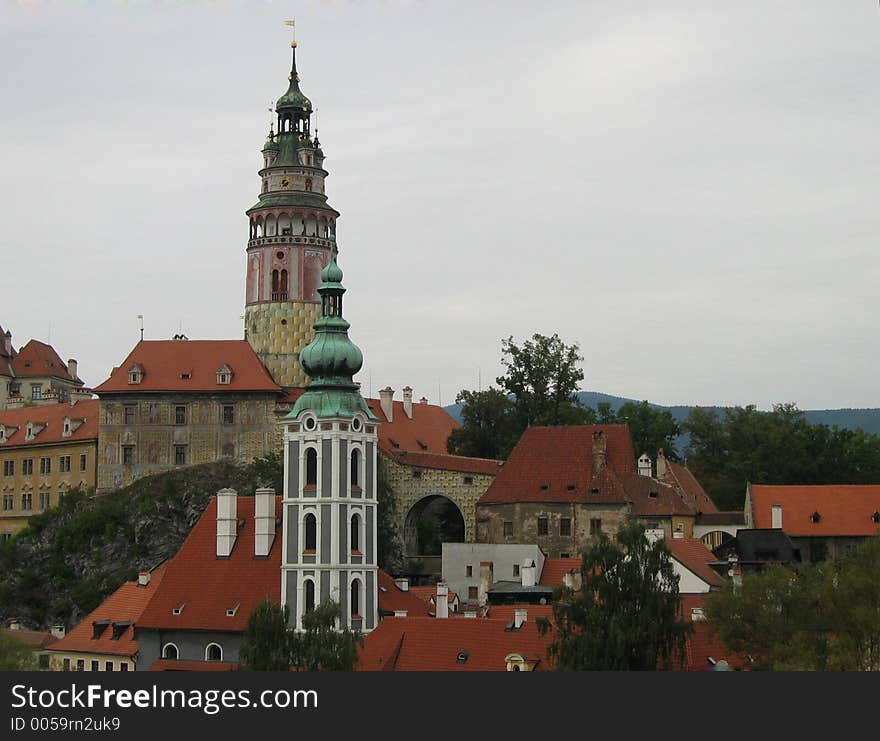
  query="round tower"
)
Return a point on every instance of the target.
[{"x": 292, "y": 234}]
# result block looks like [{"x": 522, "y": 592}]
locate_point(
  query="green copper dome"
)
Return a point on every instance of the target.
[
  {"x": 332, "y": 274},
  {"x": 271, "y": 144},
  {"x": 294, "y": 97}
]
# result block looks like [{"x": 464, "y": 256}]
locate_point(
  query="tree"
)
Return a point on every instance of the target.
[
  {"x": 626, "y": 615},
  {"x": 389, "y": 548},
  {"x": 650, "y": 428},
  {"x": 542, "y": 376},
  {"x": 489, "y": 428},
  {"x": 265, "y": 645},
  {"x": 321, "y": 646},
  {"x": 15, "y": 654}
]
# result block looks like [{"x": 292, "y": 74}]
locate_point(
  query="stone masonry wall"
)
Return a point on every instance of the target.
[{"x": 277, "y": 332}]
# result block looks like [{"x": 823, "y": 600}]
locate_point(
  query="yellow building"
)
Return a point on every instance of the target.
[{"x": 44, "y": 452}]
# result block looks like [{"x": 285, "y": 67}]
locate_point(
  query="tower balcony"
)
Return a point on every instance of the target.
[{"x": 292, "y": 239}]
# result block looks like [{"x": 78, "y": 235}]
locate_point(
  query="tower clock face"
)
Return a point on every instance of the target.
[{"x": 285, "y": 182}]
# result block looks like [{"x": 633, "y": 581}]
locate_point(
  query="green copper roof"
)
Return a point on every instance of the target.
[
  {"x": 294, "y": 97},
  {"x": 271, "y": 143},
  {"x": 293, "y": 198}
]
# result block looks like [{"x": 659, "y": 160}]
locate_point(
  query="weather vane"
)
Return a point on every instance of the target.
[{"x": 292, "y": 24}]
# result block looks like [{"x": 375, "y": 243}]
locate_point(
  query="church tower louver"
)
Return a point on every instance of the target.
[
  {"x": 292, "y": 234},
  {"x": 330, "y": 441}
]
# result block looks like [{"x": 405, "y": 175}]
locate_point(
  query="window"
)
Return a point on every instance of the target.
[
  {"x": 355, "y": 469},
  {"x": 309, "y": 595},
  {"x": 543, "y": 528},
  {"x": 213, "y": 652},
  {"x": 129, "y": 411},
  {"x": 417, "y": 474},
  {"x": 83, "y": 461},
  {"x": 224, "y": 377},
  {"x": 27, "y": 501},
  {"x": 108, "y": 666},
  {"x": 95, "y": 665},
  {"x": 67, "y": 665},
  {"x": 355, "y": 598},
  {"x": 565, "y": 525},
  {"x": 9, "y": 468},
  {"x": 516, "y": 569},
  {"x": 595, "y": 526},
  {"x": 311, "y": 467},
  {"x": 228, "y": 414},
  {"x": 36, "y": 391},
  {"x": 180, "y": 455},
  {"x": 80, "y": 665},
  {"x": 469, "y": 479},
  {"x": 169, "y": 651},
  {"x": 508, "y": 529},
  {"x": 127, "y": 454},
  {"x": 311, "y": 528},
  {"x": 27, "y": 467},
  {"x": 180, "y": 415},
  {"x": 45, "y": 500},
  {"x": 123, "y": 666},
  {"x": 468, "y": 570},
  {"x": 308, "y": 183},
  {"x": 8, "y": 502},
  {"x": 355, "y": 533},
  {"x": 45, "y": 466},
  {"x": 473, "y": 593},
  {"x": 64, "y": 464}
]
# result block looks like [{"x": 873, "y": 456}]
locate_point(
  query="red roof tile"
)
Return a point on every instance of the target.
[
  {"x": 39, "y": 359},
  {"x": 652, "y": 498},
  {"x": 426, "y": 432},
  {"x": 35, "y": 639},
  {"x": 555, "y": 570},
  {"x": 508, "y": 612},
  {"x": 51, "y": 415},
  {"x": 704, "y": 644},
  {"x": 842, "y": 509},
  {"x": 426, "y": 594},
  {"x": 165, "y": 361},
  {"x": 208, "y": 586},
  {"x": 393, "y": 599},
  {"x": 446, "y": 462},
  {"x": 693, "y": 554},
  {"x": 555, "y": 464},
  {"x": 681, "y": 478},
  {"x": 429, "y": 644},
  {"x": 126, "y": 604}
]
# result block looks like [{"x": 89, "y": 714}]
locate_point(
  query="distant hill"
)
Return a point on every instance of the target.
[{"x": 865, "y": 419}]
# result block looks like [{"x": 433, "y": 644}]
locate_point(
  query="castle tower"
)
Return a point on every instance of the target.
[
  {"x": 292, "y": 233},
  {"x": 330, "y": 441}
]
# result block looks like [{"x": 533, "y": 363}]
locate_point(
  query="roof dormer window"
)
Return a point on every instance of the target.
[
  {"x": 177, "y": 610},
  {"x": 135, "y": 375},
  {"x": 815, "y": 517},
  {"x": 224, "y": 375}
]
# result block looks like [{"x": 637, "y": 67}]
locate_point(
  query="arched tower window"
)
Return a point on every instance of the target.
[
  {"x": 355, "y": 597},
  {"x": 311, "y": 467},
  {"x": 282, "y": 286},
  {"x": 169, "y": 651},
  {"x": 213, "y": 652},
  {"x": 355, "y": 468},
  {"x": 275, "y": 285},
  {"x": 308, "y": 183},
  {"x": 309, "y": 595},
  {"x": 355, "y": 533},
  {"x": 311, "y": 528}
]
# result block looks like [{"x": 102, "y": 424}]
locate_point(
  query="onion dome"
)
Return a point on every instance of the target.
[
  {"x": 294, "y": 97},
  {"x": 271, "y": 144}
]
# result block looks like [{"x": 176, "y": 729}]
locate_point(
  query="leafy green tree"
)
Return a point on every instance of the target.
[
  {"x": 651, "y": 428},
  {"x": 489, "y": 428},
  {"x": 320, "y": 646},
  {"x": 626, "y": 616},
  {"x": 15, "y": 654},
  {"x": 389, "y": 546},
  {"x": 265, "y": 645}
]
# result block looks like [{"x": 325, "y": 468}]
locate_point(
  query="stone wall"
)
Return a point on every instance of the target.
[{"x": 277, "y": 332}]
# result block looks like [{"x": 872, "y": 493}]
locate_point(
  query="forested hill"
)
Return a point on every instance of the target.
[{"x": 867, "y": 420}]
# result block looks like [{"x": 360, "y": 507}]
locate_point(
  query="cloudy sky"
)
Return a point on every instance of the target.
[{"x": 687, "y": 189}]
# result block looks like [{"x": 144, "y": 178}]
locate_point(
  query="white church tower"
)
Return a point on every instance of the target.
[{"x": 330, "y": 439}]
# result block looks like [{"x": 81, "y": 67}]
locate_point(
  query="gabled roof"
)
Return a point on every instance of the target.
[
  {"x": 426, "y": 432},
  {"x": 393, "y": 599},
  {"x": 842, "y": 509},
  {"x": 125, "y": 605},
  {"x": 429, "y": 644},
  {"x": 38, "y": 359},
  {"x": 555, "y": 464},
  {"x": 52, "y": 416},
  {"x": 681, "y": 478},
  {"x": 555, "y": 569},
  {"x": 167, "y": 363},
  {"x": 207, "y": 586},
  {"x": 652, "y": 498},
  {"x": 693, "y": 554}
]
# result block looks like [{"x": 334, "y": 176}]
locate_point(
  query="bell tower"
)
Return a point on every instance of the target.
[{"x": 292, "y": 235}]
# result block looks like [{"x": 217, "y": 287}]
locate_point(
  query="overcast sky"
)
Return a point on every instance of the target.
[{"x": 686, "y": 189}]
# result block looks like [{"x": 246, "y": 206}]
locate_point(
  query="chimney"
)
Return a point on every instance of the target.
[
  {"x": 407, "y": 401},
  {"x": 776, "y": 517},
  {"x": 644, "y": 465},
  {"x": 441, "y": 606},
  {"x": 58, "y": 631},
  {"x": 143, "y": 578},
  {"x": 71, "y": 367},
  {"x": 227, "y": 501},
  {"x": 402, "y": 583},
  {"x": 386, "y": 401},
  {"x": 527, "y": 572},
  {"x": 7, "y": 343},
  {"x": 487, "y": 579},
  {"x": 572, "y": 580},
  {"x": 264, "y": 521},
  {"x": 661, "y": 464},
  {"x": 519, "y": 617},
  {"x": 423, "y": 400},
  {"x": 600, "y": 449}
]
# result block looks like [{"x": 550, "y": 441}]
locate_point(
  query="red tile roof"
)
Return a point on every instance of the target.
[
  {"x": 556, "y": 568},
  {"x": 508, "y": 612},
  {"x": 426, "y": 432},
  {"x": 445, "y": 462},
  {"x": 555, "y": 464},
  {"x": 34, "y": 639},
  {"x": 429, "y": 644},
  {"x": 426, "y": 594},
  {"x": 51, "y": 415},
  {"x": 165, "y": 361},
  {"x": 208, "y": 586},
  {"x": 681, "y": 478},
  {"x": 693, "y": 554},
  {"x": 842, "y": 509},
  {"x": 704, "y": 644},
  {"x": 126, "y": 604},
  {"x": 175, "y": 665},
  {"x": 393, "y": 599},
  {"x": 39, "y": 359},
  {"x": 652, "y": 498}
]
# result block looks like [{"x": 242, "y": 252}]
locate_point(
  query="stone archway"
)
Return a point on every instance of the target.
[{"x": 431, "y": 521}]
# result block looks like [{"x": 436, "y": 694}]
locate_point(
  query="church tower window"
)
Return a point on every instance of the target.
[
  {"x": 355, "y": 533},
  {"x": 355, "y": 598},
  {"x": 311, "y": 528},
  {"x": 311, "y": 467},
  {"x": 355, "y": 469},
  {"x": 309, "y": 596}
]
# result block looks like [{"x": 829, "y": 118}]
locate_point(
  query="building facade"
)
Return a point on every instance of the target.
[
  {"x": 292, "y": 233},
  {"x": 34, "y": 375},
  {"x": 45, "y": 451}
]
